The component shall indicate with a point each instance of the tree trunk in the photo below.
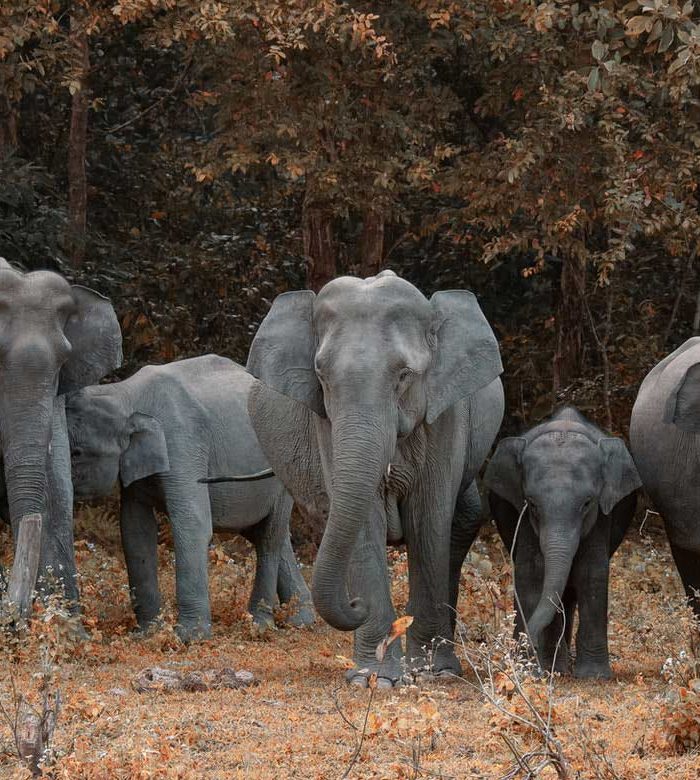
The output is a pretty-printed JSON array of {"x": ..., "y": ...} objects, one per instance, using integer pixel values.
[
  {"x": 8, "y": 126},
  {"x": 571, "y": 315},
  {"x": 372, "y": 243},
  {"x": 77, "y": 146},
  {"x": 319, "y": 247}
]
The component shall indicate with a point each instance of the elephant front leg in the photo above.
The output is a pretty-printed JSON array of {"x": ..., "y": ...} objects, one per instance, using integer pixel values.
[
  {"x": 369, "y": 579},
  {"x": 139, "y": 532},
  {"x": 590, "y": 580},
  {"x": 465, "y": 528},
  {"x": 57, "y": 569},
  {"x": 190, "y": 516},
  {"x": 429, "y": 646}
]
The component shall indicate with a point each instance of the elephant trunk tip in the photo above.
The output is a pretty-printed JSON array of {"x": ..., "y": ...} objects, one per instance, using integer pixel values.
[{"x": 343, "y": 617}]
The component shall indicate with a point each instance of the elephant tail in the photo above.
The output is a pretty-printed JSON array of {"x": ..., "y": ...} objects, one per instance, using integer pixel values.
[{"x": 264, "y": 474}]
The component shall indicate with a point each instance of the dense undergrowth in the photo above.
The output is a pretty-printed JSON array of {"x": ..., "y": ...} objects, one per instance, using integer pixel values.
[{"x": 301, "y": 721}]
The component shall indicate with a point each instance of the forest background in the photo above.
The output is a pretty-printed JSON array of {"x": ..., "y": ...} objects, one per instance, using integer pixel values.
[{"x": 193, "y": 158}]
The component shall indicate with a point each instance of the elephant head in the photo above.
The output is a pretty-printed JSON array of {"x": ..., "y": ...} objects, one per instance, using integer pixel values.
[
  {"x": 54, "y": 337},
  {"x": 376, "y": 359},
  {"x": 110, "y": 441},
  {"x": 566, "y": 473}
]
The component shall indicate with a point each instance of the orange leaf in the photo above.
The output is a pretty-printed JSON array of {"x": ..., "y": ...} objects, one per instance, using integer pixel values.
[{"x": 398, "y": 628}]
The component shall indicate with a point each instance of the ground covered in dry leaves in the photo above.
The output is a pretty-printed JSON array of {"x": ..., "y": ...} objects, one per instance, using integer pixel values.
[{"x": 301, "y": 721}]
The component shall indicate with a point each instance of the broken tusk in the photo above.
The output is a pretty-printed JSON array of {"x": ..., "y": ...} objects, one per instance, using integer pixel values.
[{"x": 388, "y": 471}]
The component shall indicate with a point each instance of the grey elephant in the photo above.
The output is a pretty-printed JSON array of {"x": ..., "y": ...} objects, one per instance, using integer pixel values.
[
  {"x": 158, "y": 433},
  {"x": 666, "y": 448},
  {"x": 386, "y": 403},
  {"x": 580, "y": 486},
  {"x": 54, "y": 338}
]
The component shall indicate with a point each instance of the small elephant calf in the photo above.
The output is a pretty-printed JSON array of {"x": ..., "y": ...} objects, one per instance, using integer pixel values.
[
  {"x": 158, "y": 433},
  {"x": 580, "y": 489}
]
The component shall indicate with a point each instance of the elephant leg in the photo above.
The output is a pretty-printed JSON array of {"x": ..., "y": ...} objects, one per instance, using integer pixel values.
[
  {"x": 57, "y": 569},
  {"x": 190, "y": 516},
  {"x": 556, "y": 638},
  {"x": 429, "y": 644},
  {"x": 267, "y": 539},
  {"x": 589, "y": 576},
  {"x": 465, "y": 528},
  {"x": 688, "y": 564},
  {"x": 290, "y": 584},
  {"x": 369, "y": 579},
  {"x": 139, "y": 532}
]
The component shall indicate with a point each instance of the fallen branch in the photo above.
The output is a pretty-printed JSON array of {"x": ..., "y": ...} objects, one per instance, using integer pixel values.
[{"x": 163, "y": 680}]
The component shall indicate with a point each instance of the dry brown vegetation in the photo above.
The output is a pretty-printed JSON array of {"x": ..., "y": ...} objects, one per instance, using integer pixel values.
[{"x": 301, "y": 721}]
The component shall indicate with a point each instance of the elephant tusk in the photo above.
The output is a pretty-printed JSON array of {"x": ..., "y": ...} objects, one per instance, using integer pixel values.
[{"x": 265, "y": 474}]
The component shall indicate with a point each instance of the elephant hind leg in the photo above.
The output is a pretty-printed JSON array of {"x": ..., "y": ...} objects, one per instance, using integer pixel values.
[
  {"x": 688, "y": 564},
  {"x": 290, "y": 584}
]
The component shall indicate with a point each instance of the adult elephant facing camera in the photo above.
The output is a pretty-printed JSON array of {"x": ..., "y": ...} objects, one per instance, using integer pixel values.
[
  {"x": 54, "y": 338},
  {"x": 389, "y": 402}
]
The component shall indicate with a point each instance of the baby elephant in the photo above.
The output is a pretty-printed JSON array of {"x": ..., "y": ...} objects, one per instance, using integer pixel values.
[
  {"x": 158, "y": 433},
  {"x": 580, "y": 487}
]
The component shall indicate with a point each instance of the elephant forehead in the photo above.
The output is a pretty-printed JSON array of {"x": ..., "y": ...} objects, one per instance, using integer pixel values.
[
  {"x": 378, "y": 297},
  {"x": 39, "y": 286},
  {"x": 561, "y": 452}
]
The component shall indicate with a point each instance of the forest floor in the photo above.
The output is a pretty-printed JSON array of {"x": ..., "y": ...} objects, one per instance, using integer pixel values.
[{"x": 302, "y": 721}]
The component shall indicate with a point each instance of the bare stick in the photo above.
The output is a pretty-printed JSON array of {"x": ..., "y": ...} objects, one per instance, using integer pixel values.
[{"x": 26, "y": 564}]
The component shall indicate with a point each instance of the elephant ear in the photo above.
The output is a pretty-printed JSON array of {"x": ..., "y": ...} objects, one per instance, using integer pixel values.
[
  {"x": 467, "y": 357},
  {"x": 504, "y": 474},
  {"x": 147, "y": 452},
  {"x": 96, "y": 340},
  {"x": 683, "y": 406},
  {"x": 283, "y": 350},
  {"x": 620, "y": 476}
]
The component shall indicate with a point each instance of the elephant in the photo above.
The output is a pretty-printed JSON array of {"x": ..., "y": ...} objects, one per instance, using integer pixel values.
[
  {"x": 577, "y": 490},
  {"x": 157, "y": 433},
  {"x": 54, "y": 338},
  {"x": 666, "y": 448},
  {"x": 385, "y": 404}
]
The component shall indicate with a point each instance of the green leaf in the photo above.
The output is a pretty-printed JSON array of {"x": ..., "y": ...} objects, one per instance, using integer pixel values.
[
  {"x": 666, "y": 38},
  {"x": 599, "y": 50},
  {"x": 594, "y": 79},
  {"x": 656, "y": 31}
]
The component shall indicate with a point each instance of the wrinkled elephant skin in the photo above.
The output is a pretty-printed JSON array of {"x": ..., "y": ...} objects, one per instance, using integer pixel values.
[
  {"x": 665, "y": 443},
  {"x": 54, "y": 338},
  {"x": 579, "y": 486},
  {"x": 158, "y": 433},
  {"x": 385, "y": 404}
]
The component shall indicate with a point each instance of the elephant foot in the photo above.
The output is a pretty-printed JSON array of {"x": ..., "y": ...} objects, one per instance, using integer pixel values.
[
  {"x": 592, "y": 670},
  {"x": 561, "y": 664},
  {"x": 388, "y": 671},
  {"x": 193, "y": 632},
  {"x": 303, "y": 617},
  {"x": 436, "y": 660},
  {"x": 147, "y": 626},
  {"x": 263, "y": 619}
]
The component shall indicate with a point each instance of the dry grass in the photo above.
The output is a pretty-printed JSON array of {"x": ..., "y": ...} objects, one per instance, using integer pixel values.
[{"x": 290, "y": 726}]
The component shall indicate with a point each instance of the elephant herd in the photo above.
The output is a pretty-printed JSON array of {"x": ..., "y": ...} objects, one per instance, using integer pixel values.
[{"x": 368, "y": 402}]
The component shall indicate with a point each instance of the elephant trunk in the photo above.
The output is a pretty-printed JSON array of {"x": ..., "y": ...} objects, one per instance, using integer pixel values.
[
  {"x": 26, "y": 415},
  {"x": 363, "y": 443},
  {"x": 558, "y": 556}
]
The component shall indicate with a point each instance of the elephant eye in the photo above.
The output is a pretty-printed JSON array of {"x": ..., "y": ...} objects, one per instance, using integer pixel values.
[{"x": 405, "y": 376}]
